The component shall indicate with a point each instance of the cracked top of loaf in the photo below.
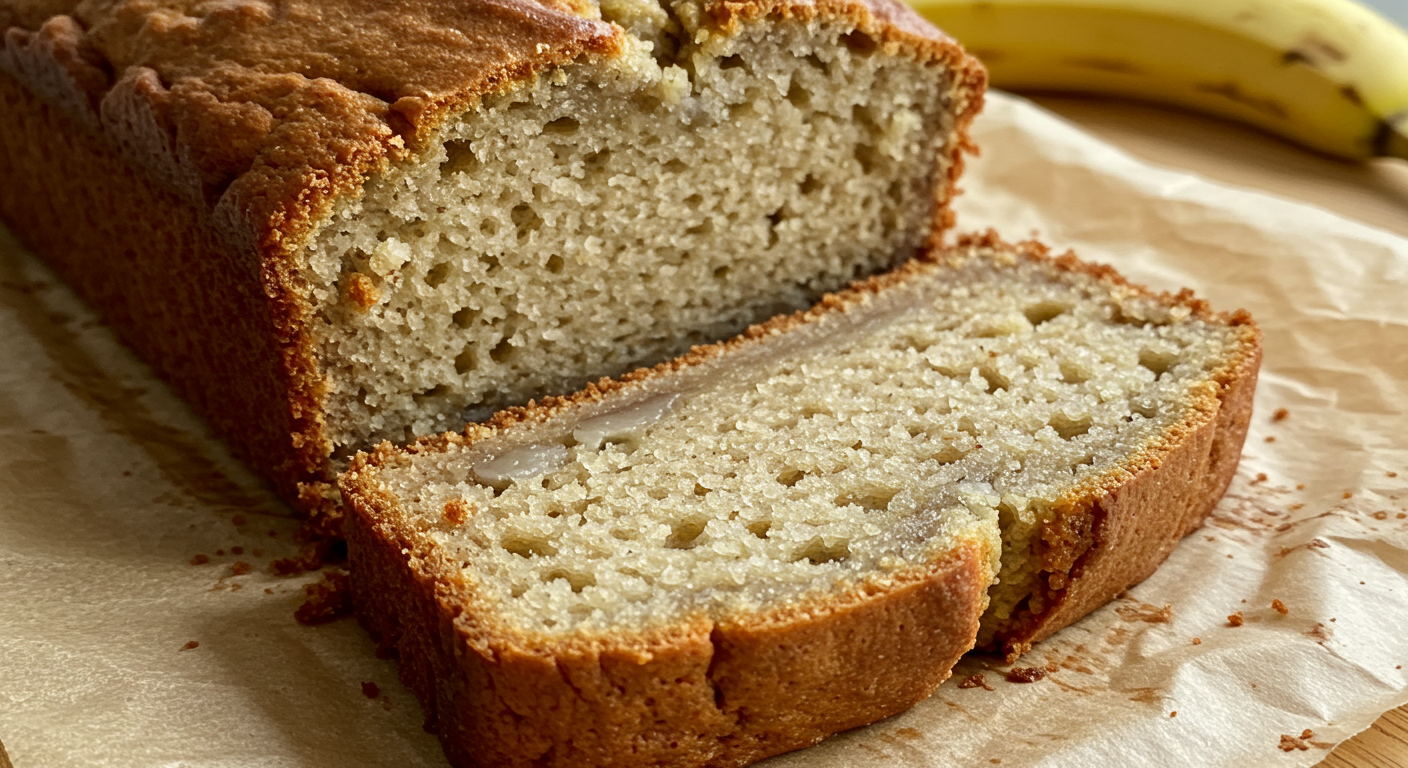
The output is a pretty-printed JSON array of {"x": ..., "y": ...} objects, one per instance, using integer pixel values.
[{"x": 267, "y": 111}]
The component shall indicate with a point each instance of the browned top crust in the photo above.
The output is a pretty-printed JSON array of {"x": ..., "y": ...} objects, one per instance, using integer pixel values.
[{"x": 271, "y": 109}]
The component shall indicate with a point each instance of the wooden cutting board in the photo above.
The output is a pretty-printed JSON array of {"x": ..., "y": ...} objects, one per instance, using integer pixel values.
[{"x": 1375, "y": 193}]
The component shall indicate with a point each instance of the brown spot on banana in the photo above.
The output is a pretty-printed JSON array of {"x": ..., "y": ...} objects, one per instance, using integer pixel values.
[
  {"x": 1232, "y": 92},
  {"x": 1314, "y": 52}
]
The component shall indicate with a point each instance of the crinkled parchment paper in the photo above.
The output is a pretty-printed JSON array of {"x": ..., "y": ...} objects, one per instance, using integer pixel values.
[{"x": 119, "y": 648}]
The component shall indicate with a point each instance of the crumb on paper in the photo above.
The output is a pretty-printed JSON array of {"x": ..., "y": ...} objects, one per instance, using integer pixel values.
[
  {"x": 1235, "y": 620},
  {"x": 1280, "y": 414},
  {"x": 1381, "y": 515},
  {"x": 1025, "y": 674},
  {"x": 240, "y": 568},
  {"x": 268, "y": 591},
  {"x": 190, "y": 645},
  {"x": 328, "y": 599},
  {"x": 1270, "y": 438},
  {"x": 1174, "y": 713},
  {"x": 1197, "y": 641},
  {"x": 976, "y": 680},
  {"x": 200, "y": 559},
  {"x": 371, "y": 690},
  {"x": 219, "y": 553},
  {"x": 1260, "y": 478},
  {"x": 1279, "y": 607},
  {"x": 1291, "y": 743},
  {"x": 1391, "y": 473},
  {"x": 1300, "y": 486}
]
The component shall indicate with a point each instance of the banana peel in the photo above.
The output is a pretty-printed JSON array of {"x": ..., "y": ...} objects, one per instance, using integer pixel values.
[{"x": 1331, "y": 75}]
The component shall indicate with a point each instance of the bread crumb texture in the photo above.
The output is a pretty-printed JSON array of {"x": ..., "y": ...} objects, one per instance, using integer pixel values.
[{"x": 966, "y": 402}]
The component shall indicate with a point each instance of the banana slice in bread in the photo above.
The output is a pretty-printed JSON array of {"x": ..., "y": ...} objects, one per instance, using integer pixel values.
[{"x": 799, "y": 531}]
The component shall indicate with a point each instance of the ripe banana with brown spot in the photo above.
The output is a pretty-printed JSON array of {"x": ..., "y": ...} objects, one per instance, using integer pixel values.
[{"x": 1329, "y": 74}]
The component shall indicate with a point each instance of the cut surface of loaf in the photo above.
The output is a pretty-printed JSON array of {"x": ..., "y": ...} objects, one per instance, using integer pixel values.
[
  {"x": 333, "y": 223},
  {"x": 835, "y": 489}
]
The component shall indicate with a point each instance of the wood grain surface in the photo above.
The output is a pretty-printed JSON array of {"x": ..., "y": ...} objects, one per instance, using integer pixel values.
[{"x": 1375, "y": 193}]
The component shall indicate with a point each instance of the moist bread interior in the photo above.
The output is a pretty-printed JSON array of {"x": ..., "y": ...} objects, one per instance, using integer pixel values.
[
  {"x": 616, "y": 212},
  {"x": 964, "y": 403}
]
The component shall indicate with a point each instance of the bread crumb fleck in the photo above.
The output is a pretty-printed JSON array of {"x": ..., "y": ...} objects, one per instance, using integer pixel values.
[
  {"x": 1280, "y": 414},
  {"x": 1174, "y": 713},
  {"x": 190, "y": 645},
  {"x": 362, "y": 292},
  {"x": 1347, "y": 495},
  {"x": 240, "y": 568},
  {"x": 1279, "y": 607},
  {"x": 1197, "y": 641},
  {"x": 1291, "y": 743},
  {"x": 219, "y": 553},
  {"x": 976, "y": 680},
  {"x": 268, "y": 591},
  {"x": 1391, "y": 473},
  {"x": 1260, "y": 478},
  {"x": 371, "y": 690},
  {"x": 1402, "y": 515},
  {"x": 1235, "y": 620},
  {"x": 1270, "y": 438},
  {"x": 200, "y": 559},
  {"x": 1025, "y": 674},
  {"x": 456, "y": 512},
  {"x": 1381, "y": 515},
  {"x": 1300, "y": 486}
]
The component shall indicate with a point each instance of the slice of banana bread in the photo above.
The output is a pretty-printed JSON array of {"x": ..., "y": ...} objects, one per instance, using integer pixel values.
[
  {"x": 332, "y": 223},
  {"x": 769, "y": 540}
]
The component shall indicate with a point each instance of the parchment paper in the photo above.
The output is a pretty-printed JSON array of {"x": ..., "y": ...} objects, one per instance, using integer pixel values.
[{"x": 110, "y": 489}]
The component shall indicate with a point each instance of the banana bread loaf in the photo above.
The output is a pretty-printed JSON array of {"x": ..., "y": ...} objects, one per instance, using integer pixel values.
[
  {"x": 333, "y": 223},
  {"x": 769, "y": 540}
]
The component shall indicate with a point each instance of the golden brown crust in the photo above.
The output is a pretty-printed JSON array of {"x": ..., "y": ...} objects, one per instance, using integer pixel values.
[
  {"x": 690, "y": 693},
  {"x": 250, "y": 119}
]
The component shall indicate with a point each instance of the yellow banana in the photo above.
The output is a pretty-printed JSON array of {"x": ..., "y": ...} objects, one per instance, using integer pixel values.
[{"x": 1329, "y": 74}]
